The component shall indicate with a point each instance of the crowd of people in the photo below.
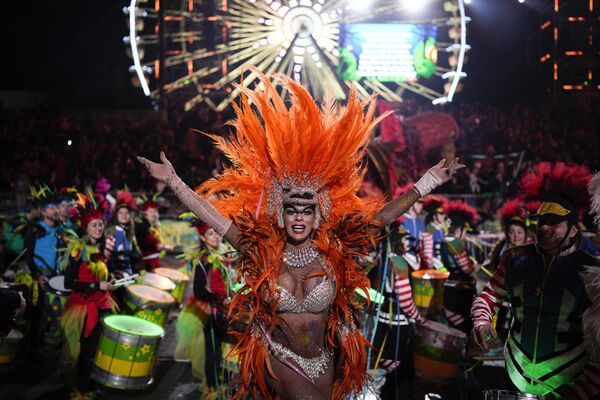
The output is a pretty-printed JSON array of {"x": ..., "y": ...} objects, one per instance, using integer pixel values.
[{"x": 42, "y": 144}]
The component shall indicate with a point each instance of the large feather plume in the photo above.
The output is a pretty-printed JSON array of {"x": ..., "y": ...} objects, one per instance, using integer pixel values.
[
  {"x": 551, "y": 180},
  {"x": 461, "y": 209},
  {"x": 511, "y": 209},
  {"x": 271, "y": 139}
]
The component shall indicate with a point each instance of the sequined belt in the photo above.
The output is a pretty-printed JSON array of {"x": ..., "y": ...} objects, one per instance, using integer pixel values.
[{"x": 313, "y": 367}]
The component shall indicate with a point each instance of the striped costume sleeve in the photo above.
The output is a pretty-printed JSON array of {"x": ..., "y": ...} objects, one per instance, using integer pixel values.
[
  {"x": 426, "y": 250},
  {"x": 490, "y": 299},
  {"x": 465, "y": 263},
  {"x": 404, "y": 293},
  {"x": 586, "y": 386}
]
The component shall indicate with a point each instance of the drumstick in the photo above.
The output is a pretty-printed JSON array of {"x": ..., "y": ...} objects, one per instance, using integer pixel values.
[
  {"x": 16, "y": 259},
  {"x": 125, "y": 279},
  {"x": 487, "y": 271},
  {"x": 123, "y": 283}
]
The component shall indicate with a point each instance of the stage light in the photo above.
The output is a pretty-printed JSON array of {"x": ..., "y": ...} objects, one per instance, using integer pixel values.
[
  {"x": 521, "y": 1},
  {"x": 467, "y": 1},
  {"x": 359, "y": 4},
  {"x": 413, "y": 5},
  {"x": 69, "y": 142}
]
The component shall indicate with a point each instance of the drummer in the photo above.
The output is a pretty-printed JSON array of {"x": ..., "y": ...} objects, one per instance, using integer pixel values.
[
  {"x": 148, "y": 237},
  {"x": 209, "y": 305},
  {"x": 459, "y": 290},
  {"x": 41, "y": 242},
  {"x": 411, "y": 220},
  {"x": 546, "y": 352},
  {"x": 86, "y": 275},
  {"x": 124, "y": 256},
  {"x": 397, "y": 313},
  {"x": 434, "y": 232}
]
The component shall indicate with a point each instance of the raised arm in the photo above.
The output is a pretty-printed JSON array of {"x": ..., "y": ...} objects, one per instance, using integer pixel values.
[
  {"x": 165, "y": 172},
  {"x": 434, "y": 177}
]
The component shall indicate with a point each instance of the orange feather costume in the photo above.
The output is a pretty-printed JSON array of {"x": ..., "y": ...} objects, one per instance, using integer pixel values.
[{"x": 275, "y": 149}]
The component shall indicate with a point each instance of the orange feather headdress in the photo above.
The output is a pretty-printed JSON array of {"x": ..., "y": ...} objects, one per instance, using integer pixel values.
[
  {"x": 303, "y": 152},
  {"x": 296, "y": 153}
]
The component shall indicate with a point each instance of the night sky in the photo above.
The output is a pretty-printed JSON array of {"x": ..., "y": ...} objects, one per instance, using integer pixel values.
[{"x": 72, "y": 50}]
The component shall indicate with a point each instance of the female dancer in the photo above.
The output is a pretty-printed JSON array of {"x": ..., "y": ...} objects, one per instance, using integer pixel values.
[
  {"x": 86, "y": 274},
  {"x": 201, "y": 326},
  {"x": 289, "y": 205}
]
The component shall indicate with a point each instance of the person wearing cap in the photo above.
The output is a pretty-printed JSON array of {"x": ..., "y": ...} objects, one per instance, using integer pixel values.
[
  {"x": 411, "y": 220},
  {"x": 41, "y": 240},
  {"x": 435, "y": 231},
  {"x": 459, "y": 289},
  {"x": 545, "y": 352}
]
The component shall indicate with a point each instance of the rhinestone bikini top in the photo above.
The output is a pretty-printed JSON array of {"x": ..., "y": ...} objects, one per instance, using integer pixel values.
[{"x": 315, "y": 302}]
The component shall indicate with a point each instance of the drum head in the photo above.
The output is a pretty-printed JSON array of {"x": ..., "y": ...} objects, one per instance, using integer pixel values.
[
  {"x": 160, "y": 282},
  {"x": 151, "y": 294},
  {"x": 173, "y": 274},
  {"x": 57, "y": 283},
  {"x": 430, "y": 274},
  {"x": 441, "y": 328},
  {"x": 133, "y": 325}
]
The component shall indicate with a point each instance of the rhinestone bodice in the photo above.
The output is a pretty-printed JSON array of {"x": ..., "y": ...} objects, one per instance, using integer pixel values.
[{"x": 315, "y": 302}]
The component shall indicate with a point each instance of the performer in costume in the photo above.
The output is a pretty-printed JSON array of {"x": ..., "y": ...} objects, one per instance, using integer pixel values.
[
  {"x": 124, "y": 255},
  {"x": 545, "y": 352},
  {"x": 459, "y": 289},
  {"x": 41, "y": 241},
  {"x": 514, "y": 220},
  {"x": 299, "y": 225},
  {"x": 395, "y": 316},
  {"x": 201, "y": 326},
  {"x": 148, "y": 236},
  {"x": 434, "y": 232},
  {"x": 86, "y": 274}
]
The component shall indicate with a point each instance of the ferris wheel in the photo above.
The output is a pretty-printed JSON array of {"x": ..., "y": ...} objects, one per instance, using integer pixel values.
[{"x": 193, "y": 51}]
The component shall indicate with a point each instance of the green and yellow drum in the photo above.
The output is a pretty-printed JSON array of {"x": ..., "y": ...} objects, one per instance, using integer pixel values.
[
  {"x": 428, "y": 290},
  {"x": 179, "y": 279},
  {"x": 126, "y": 352},
  {"x": 149, "y": 303}
]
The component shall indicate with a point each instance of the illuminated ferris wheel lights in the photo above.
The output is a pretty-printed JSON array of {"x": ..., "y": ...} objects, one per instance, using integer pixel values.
[
  {"x": 413, "y": 5},
  {"x": 359, "y": 4}
]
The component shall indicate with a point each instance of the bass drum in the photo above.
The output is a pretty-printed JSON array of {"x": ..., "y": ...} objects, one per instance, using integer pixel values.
[
  {"x": 126, "y": 352},
  {"x": 437, "y": 349}
]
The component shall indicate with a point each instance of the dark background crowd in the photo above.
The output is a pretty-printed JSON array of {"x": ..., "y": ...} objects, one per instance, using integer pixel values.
[{"x": 46, "y": 145}]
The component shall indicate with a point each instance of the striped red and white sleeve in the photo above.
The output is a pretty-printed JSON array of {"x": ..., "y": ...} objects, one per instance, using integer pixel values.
[
  {"x": 490, "y": 299},
  {"x": 465, "y": 263},
  {"x": 426, "y": 247},
  {"x": 405, "y": 298},
  {"x": 586, "y": 386}
]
